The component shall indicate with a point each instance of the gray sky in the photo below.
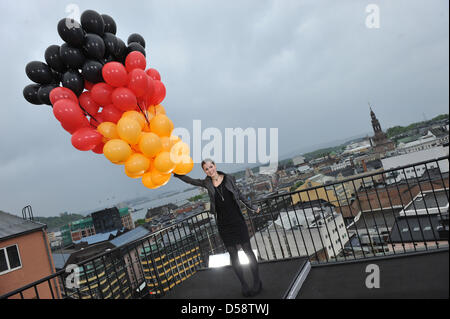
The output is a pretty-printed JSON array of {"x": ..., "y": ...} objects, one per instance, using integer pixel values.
[{"x": 307, "y": 68}]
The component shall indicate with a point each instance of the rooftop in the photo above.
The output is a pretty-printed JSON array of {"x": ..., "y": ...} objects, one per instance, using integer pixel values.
[
  {"x": 300, "y": 260},
  {"x": 12, "y": 226}
]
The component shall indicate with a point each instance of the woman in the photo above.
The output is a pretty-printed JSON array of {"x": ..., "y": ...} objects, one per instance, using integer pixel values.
[{"x": 224, "y": 196}]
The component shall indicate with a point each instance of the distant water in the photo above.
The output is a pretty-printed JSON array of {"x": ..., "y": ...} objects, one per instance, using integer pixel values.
[{"x": 174, "y": 199}]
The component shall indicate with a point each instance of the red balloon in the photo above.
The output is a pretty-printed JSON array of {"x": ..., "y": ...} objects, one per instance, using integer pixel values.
[
  {"x": 111, "y": 114},
  {"x": 148, "y": 98},
  {"x": 88, "y": 103},
  {"x": 138, "y": 81},
  {"x": 160, "y": 92},
  {"x": 88, "y": 85},
  {"x": 64, "y": 110},
  {"x": 154, "y": 74},
  {"x": 62, "y": 93},
  {"x": 124, "y": 99},
  {"x": 98, "y": 119},
  {"x": 135, "y": 60},
  {"x": 115, "y": 74},
  {"x": 86, "y": 139},
  {"x": 101, "y": 93},
  {"x": 69, "y": 129},
  {"x": 70, "y": 115},
  {"x": 99, "y": 148}
]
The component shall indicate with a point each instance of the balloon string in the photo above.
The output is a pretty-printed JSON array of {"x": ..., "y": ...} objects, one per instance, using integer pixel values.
[
  {"x": 86, "y": 112},
  {"x": 145, "y": 115}
]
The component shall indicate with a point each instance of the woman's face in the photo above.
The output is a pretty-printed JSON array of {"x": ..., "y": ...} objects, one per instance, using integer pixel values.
[{"x": 209, "y": 169}]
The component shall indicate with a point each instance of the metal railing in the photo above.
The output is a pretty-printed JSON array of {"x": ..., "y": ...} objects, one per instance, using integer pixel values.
[{"x": 385, "y": 213}]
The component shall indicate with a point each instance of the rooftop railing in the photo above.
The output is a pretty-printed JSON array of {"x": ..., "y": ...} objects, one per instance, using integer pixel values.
[{"x": 386, "y": 213}]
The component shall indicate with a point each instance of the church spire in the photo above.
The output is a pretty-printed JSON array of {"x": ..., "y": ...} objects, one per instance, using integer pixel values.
[{"x": 375, "y": 123}]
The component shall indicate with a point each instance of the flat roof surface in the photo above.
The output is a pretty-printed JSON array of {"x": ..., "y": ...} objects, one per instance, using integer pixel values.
[
  {"x": 405, "y": 277},
  {"x": 222, "y": 283},
  {"x": 430, "y": 200}
]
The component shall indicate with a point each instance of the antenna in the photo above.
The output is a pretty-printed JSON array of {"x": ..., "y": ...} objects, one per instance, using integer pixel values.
[{"x": 27, "y": 210}]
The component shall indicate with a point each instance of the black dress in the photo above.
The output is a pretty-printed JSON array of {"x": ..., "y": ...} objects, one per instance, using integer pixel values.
[{"x": 230, "y": 222}]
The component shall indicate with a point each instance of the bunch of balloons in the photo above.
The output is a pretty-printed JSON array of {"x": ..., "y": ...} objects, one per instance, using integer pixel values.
[{"x": 109, "y": 102}]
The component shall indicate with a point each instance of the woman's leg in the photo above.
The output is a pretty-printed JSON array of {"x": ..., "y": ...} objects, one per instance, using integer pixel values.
[
  {"x": 253, "y": 264},
  {"x": 234, "y": 259}
]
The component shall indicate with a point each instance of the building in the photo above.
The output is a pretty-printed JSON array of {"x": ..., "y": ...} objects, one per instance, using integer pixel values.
[
  {"x": 413, "y": 158},
  {"x": 160, "y": 210},
  {"x": 315, "y": 231},
  {"x": 422, "y": 143},
  {"x": 131, "y": 256},
  {"x": 106, "y": 220},
  {"x": 359, "y": 147},
  {"x": 25, "y": 256},
  {"x": 423, "y": 223},
  {"x": 324, "y": 193},
  {"x": 298, "y": 160},
  {"x": 103, "y": 221},
  {"x": 380, "y": 142}
]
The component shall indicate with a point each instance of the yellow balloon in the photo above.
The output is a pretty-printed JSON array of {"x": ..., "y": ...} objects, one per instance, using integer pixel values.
[
  {"x": 159, "y": 109},
  {"x": 163, "y": 163},
  {"x": 129, "y": 130},
  {"x": 159, "y": 178},
  {"x": 137, "y": 164},
  {"x": 174, "y": 140},
  {"x": 166, "y": 144},
  {"x": 117, "y": 151},
  {"x": 185, "y": 166},
  {"x": 160, "y": 125},
  {"x": 147, "y": 181},
  {"x": 133, "y": 175},
  {"x": 108, "y": 130},
  {"x": 178, "y": 151},
  {"x": 150, "y": 144},
  {"x": 135, "y": 116}
]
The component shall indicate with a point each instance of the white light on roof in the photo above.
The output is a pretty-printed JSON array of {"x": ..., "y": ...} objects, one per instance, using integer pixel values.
[{"x": 221, "y": 260}]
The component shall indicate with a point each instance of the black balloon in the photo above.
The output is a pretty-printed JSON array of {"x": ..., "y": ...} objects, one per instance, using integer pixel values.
[
  {"x": 92, "y": 22},
  {"x": 74, "y": 81},
  {"x": 30, "y": 93},
  {"x": 121, "y": 49},
  {"x": 110, "y": 41},
  {"x": 53, "y": 58},
  {"x": 39, "y": 72},
  {"x": 136, "y": 38},
  {"x": 72, "y": 57},
  {"x": 110, "y": 24},
  {"x": 108, "y": 58},
  {"x": 57, "y": 77},
  {"x": 134, "y": 46},
  {"x": 44, "y": 93},
  {"x": 94, "y": 46},
  {"x": 71, "y": 32},
  {"x": 92, "y": 71}
]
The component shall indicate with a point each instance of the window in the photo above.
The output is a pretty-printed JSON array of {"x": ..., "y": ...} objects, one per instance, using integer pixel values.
[{"x": 9, "y": 259}]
